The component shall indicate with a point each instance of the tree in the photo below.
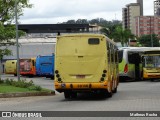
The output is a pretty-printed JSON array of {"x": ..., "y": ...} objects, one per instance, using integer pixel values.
[
  {"x": 7, "y": 30},
  {"x": 7, "y": 9},
  {"x": 109, "y": 29},
  {"x": 71, "y": 22},
  {"x": 81, "y": 21},
  {"x": 145, "y": 40},
  {"x": 122, "y": 35}
]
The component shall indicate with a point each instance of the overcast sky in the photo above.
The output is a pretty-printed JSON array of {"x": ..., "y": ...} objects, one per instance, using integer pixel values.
[{"x": 57, "y": 11}]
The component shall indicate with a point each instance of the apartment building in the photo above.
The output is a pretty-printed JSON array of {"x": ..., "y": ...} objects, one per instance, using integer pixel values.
[
  {"x": 129, "y": 13},
  {"x": 157, "y": 7},
  {"x": 146, "y": 25}
]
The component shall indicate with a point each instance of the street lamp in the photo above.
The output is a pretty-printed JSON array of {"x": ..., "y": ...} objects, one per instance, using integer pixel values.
[{"x": 17, "y": 48}]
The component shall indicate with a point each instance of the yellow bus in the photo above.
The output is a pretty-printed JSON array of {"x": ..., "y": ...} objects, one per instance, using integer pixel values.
[
  {"x": 86, "y": 63},
  {"x": 151, "y": 64},
  {"x": 11, "y": 67}
]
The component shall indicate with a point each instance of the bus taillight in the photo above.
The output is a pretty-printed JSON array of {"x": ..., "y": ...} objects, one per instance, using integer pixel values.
[{"x": 126, "y": 68}]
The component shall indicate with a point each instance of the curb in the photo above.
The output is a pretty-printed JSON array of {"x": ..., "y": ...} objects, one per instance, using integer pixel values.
[{"x": 26, "y": 94}]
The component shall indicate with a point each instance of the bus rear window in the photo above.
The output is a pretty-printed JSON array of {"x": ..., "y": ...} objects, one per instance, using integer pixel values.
[{"x": 93, "y": 41}]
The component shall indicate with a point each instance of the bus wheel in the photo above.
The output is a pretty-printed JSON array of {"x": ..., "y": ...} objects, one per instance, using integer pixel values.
[
  {"x": 74, "y": 95},
  {"x": 106, "y": 93},
  {"x": 109, "y": 94},
  {"x": 67, "y": 95},
  {"x": 115, "y": 90}
]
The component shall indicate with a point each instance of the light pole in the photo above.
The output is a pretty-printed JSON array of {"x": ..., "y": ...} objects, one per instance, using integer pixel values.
[{"x": 17, "y": 44}]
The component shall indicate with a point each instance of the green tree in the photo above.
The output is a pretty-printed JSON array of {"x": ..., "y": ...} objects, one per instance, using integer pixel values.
[
  {"x": 109, "y": 29},
  {"x": 7, "y": 9},
  {"x": 7, "y": 30},
  {"x": 145, "y": 40},
  {"x": 122, "y": 35}
]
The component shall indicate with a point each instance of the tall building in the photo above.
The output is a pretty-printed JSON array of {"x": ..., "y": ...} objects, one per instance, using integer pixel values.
[
  {"x": 146, "y": 25},
  {"x": 157, "y": 8},
  {"x": 140, "y": 2},
  {"x": 129, "y": 13}
]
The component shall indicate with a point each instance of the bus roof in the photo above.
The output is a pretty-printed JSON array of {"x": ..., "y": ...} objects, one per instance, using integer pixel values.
[{"x": 88, "y": 34}]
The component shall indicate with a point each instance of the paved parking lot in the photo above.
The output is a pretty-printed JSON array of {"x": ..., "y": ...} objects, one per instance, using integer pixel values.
[{"x": 131, "y": 96}]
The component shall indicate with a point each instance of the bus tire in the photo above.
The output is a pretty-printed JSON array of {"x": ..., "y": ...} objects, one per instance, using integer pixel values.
[
  {"x": 115, "y": 90},
  {"x": 109, "y": 94},
  {"x": 67, "y": 95},
  {"x": 106, "y": 93},
  {"x": 73, "y": 94},
  {"x": 15, "y": 74}
]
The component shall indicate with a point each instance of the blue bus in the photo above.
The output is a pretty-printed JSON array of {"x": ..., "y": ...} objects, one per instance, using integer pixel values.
[{"x": 45, "y": 66}]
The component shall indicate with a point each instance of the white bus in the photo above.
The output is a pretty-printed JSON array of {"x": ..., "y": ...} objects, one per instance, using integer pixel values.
[{"x": 130, "y": 62}]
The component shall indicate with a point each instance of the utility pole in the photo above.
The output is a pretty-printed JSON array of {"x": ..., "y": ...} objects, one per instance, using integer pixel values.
[{"x": 17, "y": 44}]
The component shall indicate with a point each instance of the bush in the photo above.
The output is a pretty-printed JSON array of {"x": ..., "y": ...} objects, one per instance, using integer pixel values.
[
  {"x": 8, "y": 81},
  {"x": 22, "y": 84},
  {"x": 1, "y": 81},
  {"x": 35, "y": 87}
]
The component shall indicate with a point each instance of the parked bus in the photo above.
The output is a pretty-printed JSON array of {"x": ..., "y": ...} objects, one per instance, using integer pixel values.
[
  {"x": 11, "y": 67},
  {"x": 86, "y": 62},
  {"x": 151, "y": 64},
  {"x": 45, "y": 66},
  {"x": 27, "y": 67},
  {"x": 130, "y": 64}
]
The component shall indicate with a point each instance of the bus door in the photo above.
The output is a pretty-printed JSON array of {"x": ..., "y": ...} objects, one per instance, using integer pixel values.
[{"x": 134, "y": 58}]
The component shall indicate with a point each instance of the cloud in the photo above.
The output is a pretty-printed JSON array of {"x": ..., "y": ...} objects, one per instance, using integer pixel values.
[{"x": 54, "y": 11}]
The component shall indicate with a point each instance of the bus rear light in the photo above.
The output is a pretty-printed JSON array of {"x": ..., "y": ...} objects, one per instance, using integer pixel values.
[
  {"x": 71, "y": 86},
  {"x": 102, "y": 79},
  {"x": 56, "y": 71},
  {"x": 103, "y": 75},
  {"x": 57, "y": 75},
  {"x": 126, "y": 68},
  {"x": 104, "y": 71},
  {"x": 59, "y": 80}
]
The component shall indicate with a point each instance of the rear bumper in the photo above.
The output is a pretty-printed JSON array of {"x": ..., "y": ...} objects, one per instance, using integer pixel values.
[
  {"x": 151, "y": 75},
  {"x": 62, "y": 87},
  {"x": 27, "y": 73}
]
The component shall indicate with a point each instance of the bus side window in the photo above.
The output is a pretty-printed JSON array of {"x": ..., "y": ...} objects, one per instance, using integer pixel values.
[
  {"x": 112, "y": 53},
  {"x": 116, "y": 56},
  {"x": 108, "y": 50}
]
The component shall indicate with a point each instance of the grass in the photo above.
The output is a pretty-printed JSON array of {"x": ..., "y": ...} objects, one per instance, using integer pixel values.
[
  {"x": 11, "y": 86},
  {"x": 12, "y": 89}
]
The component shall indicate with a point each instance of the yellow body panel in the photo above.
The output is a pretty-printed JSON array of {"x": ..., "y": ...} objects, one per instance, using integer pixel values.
[
  {"x": 151, "y": 73},
  {"x": 80, "y": 65},
  {"x": 10, "y": 67}
]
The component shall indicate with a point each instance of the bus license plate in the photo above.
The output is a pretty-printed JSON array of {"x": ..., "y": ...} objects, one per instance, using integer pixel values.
[
  {"x": 80, "y": 76},
  {"x": 83, "y": 86}
]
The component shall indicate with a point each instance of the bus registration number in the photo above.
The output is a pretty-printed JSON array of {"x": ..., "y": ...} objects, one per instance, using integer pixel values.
[{"x": 83, "y": 86}]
